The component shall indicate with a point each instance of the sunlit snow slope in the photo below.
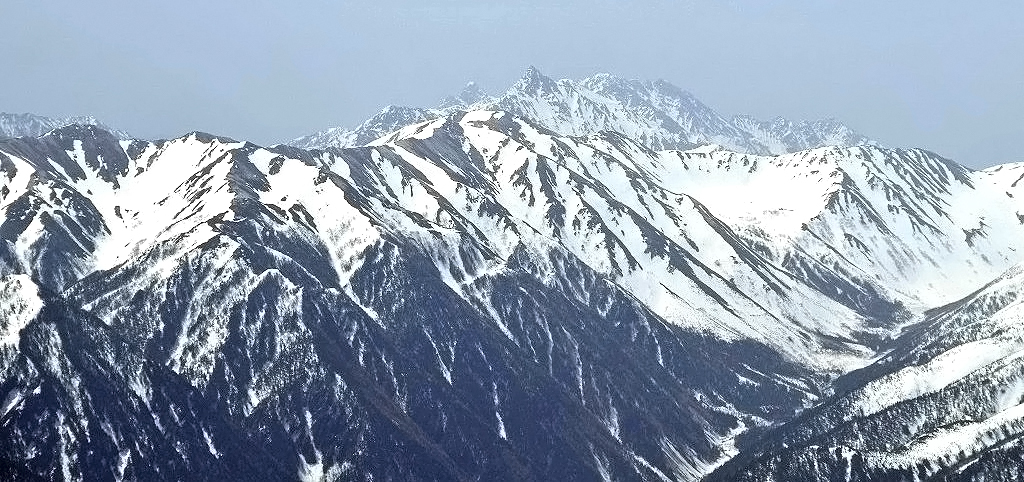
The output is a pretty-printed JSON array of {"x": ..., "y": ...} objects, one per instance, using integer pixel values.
[{"x": 901, "y": 221}]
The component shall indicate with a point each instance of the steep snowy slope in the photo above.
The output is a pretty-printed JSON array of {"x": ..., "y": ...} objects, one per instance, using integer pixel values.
[
  {"x": 81, "y": 404},
  {"x": 657, "y": 114},
  {"x": 50, "y": 223},
  {"x": 947, "y": 404},
  {"x": 905, "y": 223},
  {"x": 471, "y": 297},
  {"x": 594, "y": 197}
]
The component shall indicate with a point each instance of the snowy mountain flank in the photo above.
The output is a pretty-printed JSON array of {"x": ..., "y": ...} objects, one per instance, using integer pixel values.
[
  {"x": 657, "y": 114},
  {"x": 946, "y": 404},
  {"x": 592, "y": 280}
]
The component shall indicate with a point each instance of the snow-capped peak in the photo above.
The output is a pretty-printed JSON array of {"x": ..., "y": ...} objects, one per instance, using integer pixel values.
[
  {"x": 533, "y": 82},
  {"x": 470, "y": 95},
  {"x": 658, "y": 114},
  {"x": 31, "y": 125}
]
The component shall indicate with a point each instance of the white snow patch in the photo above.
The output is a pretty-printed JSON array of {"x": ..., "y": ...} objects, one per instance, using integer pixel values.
[
  {"x": 946, "y": 368},
  {"x": 21, "y": 303}
]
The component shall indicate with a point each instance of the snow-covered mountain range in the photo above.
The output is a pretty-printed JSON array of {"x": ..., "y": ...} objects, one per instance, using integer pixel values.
[
  {"x": 512, "y": 288},
  {"x": 31, "y": 125},
  {"x": 657, "y": 114}
]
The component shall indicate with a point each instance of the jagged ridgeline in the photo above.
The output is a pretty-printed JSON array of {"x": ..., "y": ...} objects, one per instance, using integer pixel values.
[
  {"x": 656, "y": 114},
  {"x": 30, "y": 125},
  {"x": 483, "y": 294}
]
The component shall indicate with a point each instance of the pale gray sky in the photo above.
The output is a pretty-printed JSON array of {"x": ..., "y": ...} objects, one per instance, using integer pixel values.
[{"x": 941, "y": 74}]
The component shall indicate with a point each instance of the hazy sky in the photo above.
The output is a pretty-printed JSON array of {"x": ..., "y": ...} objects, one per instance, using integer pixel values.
[{"x": 945, "y": 75}]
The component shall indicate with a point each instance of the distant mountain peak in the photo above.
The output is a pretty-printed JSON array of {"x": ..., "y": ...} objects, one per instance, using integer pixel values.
[
  {"x": 657, "y": 114},
  {"x": 470, "y": 95},
  {"x": 31, "y": 125},
  {"x": 533, "y": 81}
]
